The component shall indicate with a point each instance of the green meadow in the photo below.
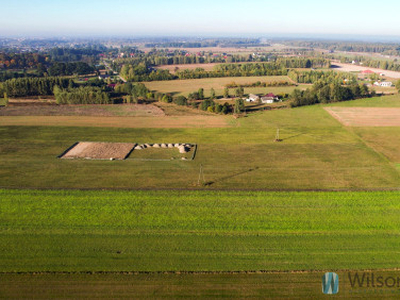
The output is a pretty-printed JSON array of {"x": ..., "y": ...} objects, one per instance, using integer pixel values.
[
  {"x": 70, "y": 231},
  {"x": 317, "y": 152}
]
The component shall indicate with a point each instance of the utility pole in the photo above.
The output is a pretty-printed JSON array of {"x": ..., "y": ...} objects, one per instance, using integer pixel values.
[
  {"x": 201, "y": 175},
  {"x": 277, "y": 136}
]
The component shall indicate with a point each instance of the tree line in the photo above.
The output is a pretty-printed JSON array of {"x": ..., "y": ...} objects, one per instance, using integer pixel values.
[
  {"x": 21, "y": 60},
  {"x": 80, "y": 95},
  {"x": 325, "y": 91},
  {"x": 142, "y": 72},
  {"x": 384, "y": 48},
  {"x": 63, "y": 69},
  {"x": 21, "y": 87},
  {"x": 314, "y": 76},
  {"x": 392, "y": 65},
  {"x": 259, "y": 84}
]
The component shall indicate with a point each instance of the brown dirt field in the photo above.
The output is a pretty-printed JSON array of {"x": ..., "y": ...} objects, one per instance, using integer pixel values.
[
  {"x": 199, "y": 121},
  {"x": 366, "y": 116},
  {"x": 140, "y": 110},
  {"x": 171, "y": 68},
  {"x": 353, "y": 68},
  {"x": 92, "y": 150}
]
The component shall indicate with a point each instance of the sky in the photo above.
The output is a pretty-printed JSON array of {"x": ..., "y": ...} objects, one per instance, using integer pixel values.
[{"x": 198, "y": 18}]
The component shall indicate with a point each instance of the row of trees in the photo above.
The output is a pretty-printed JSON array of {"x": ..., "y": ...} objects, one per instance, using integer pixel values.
[
  {"x": 141, "y": 72},
  {"x": 391, "y": 65},
  {"x": 314, "y": 76},
  {"x": 259, "y": 84},
  {"x": 21, "y": 60},
  {"x": 21, "y": 87},
  {"x": 144, "y": 72},
  {"x": 63, "y": 69},
  {"x": 81, "y": 95},
  {"x": 384, "y": 48},
  {"x": 325, "y": 92},
  {"x": 85, "y": 54}
]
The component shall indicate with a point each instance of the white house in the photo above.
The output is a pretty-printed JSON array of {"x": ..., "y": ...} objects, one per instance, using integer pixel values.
[
  {"x": 386, "y": 84},
  {"x": 252, "y": 98},
  {"x": 270, "y": 98},
  {"x": 383, "y": 83}
]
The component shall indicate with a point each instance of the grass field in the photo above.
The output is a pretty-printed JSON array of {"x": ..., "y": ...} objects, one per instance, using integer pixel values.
[
  {"x": 184, "y": 87},
  {"x": 317, "y": 153},
  {"x": 305, "y": 285},
  {"x": 74, "y": 235},
  {"x": 386, "y": 101},
  {"x": 189, "y": 231},
  {"x": 210, "y": 229}
]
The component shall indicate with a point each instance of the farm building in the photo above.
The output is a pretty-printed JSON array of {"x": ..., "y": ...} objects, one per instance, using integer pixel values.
[
  {"x": 269, "y": 98},
  {"x": 386, "y": 84},
  {"x": 383, "y": 83},
  {"x": 252, "y": 98}
]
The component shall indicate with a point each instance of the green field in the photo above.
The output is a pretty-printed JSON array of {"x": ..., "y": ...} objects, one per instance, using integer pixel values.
[
  {"x": 386, "y": 101},
  {"x": 300, "y": 285},
  {"x": 77, "y": 243},
  {"x": 190, "y": 230},
  {"x": 317, "y": 152},
  {"x": 184, "y": 87},
  {"x": 157, "y": 222}
]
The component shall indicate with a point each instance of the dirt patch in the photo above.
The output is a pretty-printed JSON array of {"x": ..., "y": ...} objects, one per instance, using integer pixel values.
[
  {"x": 93, "y": 150},
  {"x": 354, "y": 68},
  {"x": 366, "y": 116},
  {"x": 29, "y": 108},
  {"x": 172, "y": 68}
]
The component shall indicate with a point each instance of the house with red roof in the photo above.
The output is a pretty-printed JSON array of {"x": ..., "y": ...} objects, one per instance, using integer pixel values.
[
  {"x": 269, "y": 98},
  {"x": 367, "y": 72}
]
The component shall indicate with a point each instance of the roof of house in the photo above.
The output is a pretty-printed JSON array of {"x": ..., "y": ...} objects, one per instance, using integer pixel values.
[
  {"x": 270, "y": 95},
  {"x": 367, "y": 72}
]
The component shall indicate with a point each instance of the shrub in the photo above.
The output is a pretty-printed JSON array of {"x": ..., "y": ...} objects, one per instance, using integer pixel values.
[{"x": 180, "y": 100}]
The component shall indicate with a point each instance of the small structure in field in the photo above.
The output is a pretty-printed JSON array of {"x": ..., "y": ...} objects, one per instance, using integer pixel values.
[
  {"x": 383, "y": 83},
  {"x": 121, "y": 151},
  {"x": 252, "y": 98},
  {"x": 269, "y": 98}
]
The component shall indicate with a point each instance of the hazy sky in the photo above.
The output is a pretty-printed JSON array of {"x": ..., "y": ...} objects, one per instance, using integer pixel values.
[{"x": 203, "y": 17}]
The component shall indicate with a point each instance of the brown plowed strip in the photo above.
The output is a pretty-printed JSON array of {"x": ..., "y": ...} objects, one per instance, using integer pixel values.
[
  {"x": 366, "y": 116},
  {"x": 200, "y": 121},
  {"x": 92, "y": 150}
]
